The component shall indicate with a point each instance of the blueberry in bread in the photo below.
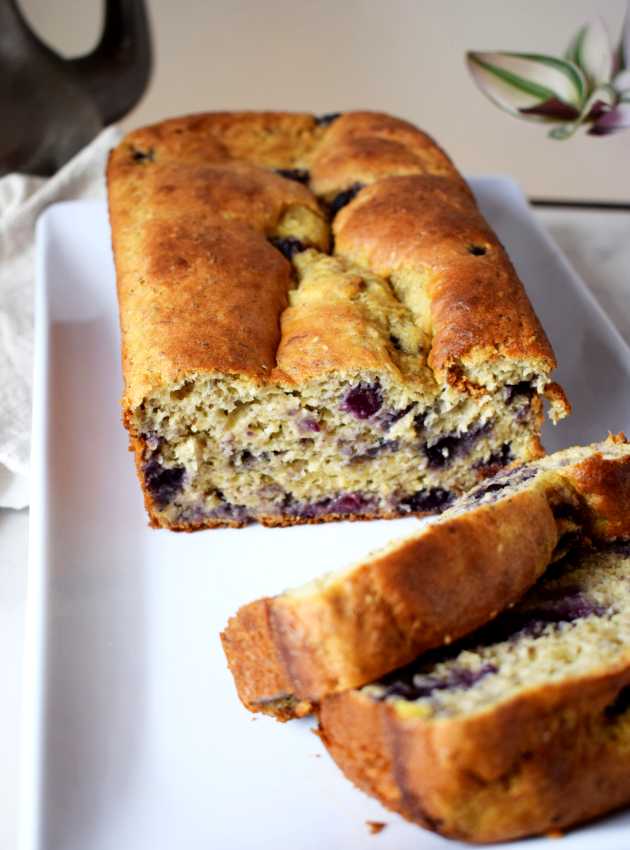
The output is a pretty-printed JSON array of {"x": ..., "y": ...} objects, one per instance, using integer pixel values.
[
  {"x": 317, "y": 323},
  {"x": 453, "y": 575},
  {"x": 520, "y": 729}
]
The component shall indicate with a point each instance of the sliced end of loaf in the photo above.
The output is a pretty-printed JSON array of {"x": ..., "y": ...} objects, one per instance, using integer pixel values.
[{"x": 523, "y": 728}]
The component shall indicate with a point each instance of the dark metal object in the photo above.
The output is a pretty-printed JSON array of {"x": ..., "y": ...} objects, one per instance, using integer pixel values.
[
  {"x": 612, "y": 206},
  {"x": 50, "y": 107}
]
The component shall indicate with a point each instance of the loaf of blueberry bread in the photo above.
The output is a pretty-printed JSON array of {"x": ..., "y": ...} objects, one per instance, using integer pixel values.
[
  {"x": 521, "y": 729},
  {"x": 316, "y": 320},
  {"x": 454, "y": 574}
]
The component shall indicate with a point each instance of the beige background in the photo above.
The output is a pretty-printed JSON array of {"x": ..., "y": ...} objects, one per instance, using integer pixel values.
[{"x": 404, "y": 56}]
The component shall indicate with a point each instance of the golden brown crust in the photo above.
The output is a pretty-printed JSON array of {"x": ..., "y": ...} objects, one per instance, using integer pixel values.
[
  {"x": 604, "y": 484},
  {"x": 353, "y": 729},
  {"x": 198, "y": 292},
  {"x": 267, "y": 139},
  {"x": 547, "y": 759},
  {"x": 362, "y": 147},
  {"x": 422, "y": 593},
  {"x": 207, "y": 170},
  {"x": 431, "y": 227},
  {"x": 559, "y": 405},
  {"x": 262, "y": 655}
]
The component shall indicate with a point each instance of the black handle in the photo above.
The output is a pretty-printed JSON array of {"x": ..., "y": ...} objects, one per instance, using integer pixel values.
[{"x": 51, "y": 107}]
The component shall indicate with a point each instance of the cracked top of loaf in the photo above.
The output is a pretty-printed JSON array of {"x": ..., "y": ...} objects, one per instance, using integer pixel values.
[{"x": 276, "y": 247}]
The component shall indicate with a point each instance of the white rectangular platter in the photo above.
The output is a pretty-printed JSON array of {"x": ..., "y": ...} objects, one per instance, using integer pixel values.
[{"x": 133, "y": 736}]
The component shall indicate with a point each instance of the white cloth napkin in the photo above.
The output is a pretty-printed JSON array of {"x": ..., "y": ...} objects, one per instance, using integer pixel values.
[{"x": 22, "y": 199}]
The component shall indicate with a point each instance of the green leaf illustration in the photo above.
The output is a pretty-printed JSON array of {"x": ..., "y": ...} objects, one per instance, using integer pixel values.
[
  {"x": 601, "y": 100},
  {"x": 623, "y": 51},
  {"x": 530, "y": 85},
  {"x": 591, "y": 51},
  {"x": 590, "y": 85}
]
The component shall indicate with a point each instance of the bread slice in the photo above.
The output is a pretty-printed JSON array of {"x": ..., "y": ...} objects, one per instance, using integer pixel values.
[
  {"x": 520, "y": 729},
  {"x": 456, "y": 572},
  {"x": 317, "y": 323}
]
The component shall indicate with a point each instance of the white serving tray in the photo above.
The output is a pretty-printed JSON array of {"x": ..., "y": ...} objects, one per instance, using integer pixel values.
[{"x": 133, "y": 736}]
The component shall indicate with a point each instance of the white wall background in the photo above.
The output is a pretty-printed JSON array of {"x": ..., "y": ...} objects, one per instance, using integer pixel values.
[{"x": 402, "y": 56}]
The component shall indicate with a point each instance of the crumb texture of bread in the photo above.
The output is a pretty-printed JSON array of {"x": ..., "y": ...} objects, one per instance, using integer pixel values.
[
  {"x": 454, "y": 574},
  {"x": 521, "y": 728},
  {"x": 317, "y": 322}
]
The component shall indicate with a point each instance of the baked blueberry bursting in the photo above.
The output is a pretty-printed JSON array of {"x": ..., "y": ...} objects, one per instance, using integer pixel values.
[
  {"x": 477, "y": 250},
  {"x": 562, "y": 605},
  {"x": 300, "y": 175},
  {"x": 513, "y": 477},
  {"x": 343, "y": 198},
  {"x": 163, "y": 483},
  {"x": 495, "y": 487},
  {"x": 621, "y": 547},
  {"x": 414, "y": 686},
  {"x": 418, "y": 423},
  {"x": 620, "y": 705},
  {"x": 520, "y": 474},
  {"x": 433, "y": 499},
  {"x": 363, "y": 401},
  {"x": 143, "y": 156},
  {"x": 289, "y": 246},
  {"x": 570, "y": 606},
  {"x": 500, "y": 458},
  {"x": 227, "y": 511},
  {"x": 308, "y": 424},
  {"x": 442, "y": 452},
  {"x": 390, "y": 417},
  {"x": 327, "y": 119},
  {"x": 152, "y": 440},
  {"x": 568, "y": 541},
  {"x": 373, "y": 451},
  {"x": 523, "y": 389},
  {"x": 566, "y": 511},
  {"x": 346, "y": 503},
  {"x": 239, "y": 513},
  {"x": 492, "y": 488},
  {"x": 246, "y": 458}
]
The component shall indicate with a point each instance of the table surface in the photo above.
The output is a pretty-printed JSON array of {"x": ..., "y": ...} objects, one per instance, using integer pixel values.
[{"x": 597, "y": 243}]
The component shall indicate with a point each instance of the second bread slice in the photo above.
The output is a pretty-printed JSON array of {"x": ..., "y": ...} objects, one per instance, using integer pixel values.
[{"x": 453, "y": 575}]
